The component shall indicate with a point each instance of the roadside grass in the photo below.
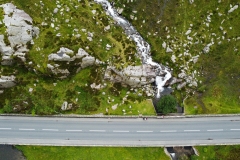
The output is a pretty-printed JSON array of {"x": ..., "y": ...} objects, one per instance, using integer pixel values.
[
  {"x": 230, "y": 152},
  {"x": 93, "y": 153}
]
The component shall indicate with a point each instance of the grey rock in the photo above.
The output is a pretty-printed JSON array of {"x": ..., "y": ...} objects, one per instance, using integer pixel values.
[
  {"x": 182, "y": 75},
  {"x": 134, "y": 76},
  {"x": 180, "y": 86},
  {"x": 87, "y": 61},
  {"x": 64, "y": 106},
  {"x": 81, "y": 53},
  {"x": 174, "y": 81},
  {"x": 7, "y": 81},
  {"x": 62, "y": 55}
]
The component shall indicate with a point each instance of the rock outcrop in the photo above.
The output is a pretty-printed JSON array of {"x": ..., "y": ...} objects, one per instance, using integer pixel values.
[
  {"x": 60, "y": 62},
  {"x": 20, "y": 33},
  {"x": 134, "y": 76}
]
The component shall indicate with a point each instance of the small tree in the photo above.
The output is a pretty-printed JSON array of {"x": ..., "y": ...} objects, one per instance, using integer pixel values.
[{"x": 166, "y": 104}]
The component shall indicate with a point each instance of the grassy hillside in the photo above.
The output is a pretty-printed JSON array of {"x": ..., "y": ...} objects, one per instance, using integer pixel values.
[
  {"x": 69, "y": 27},
  {"x": 209, "y": 22},
  {"x": 205, "y": 30}
]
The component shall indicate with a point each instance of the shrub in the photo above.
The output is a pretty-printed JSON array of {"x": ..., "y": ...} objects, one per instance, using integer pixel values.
[{"x": 166, "y": 104}]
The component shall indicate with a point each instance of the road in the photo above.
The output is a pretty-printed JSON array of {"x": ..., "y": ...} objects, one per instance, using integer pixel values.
[{"x": 119, "y": 132}]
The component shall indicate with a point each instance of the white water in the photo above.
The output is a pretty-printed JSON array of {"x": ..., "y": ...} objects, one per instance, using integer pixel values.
[{"x": 143, "y": 47}]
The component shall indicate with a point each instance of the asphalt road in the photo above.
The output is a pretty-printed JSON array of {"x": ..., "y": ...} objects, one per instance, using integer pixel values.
[{"x": 119, "y": 132}]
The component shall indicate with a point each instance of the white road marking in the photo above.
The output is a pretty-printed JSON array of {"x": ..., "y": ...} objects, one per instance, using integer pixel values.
[
  {"x": 145, "y": 131},
  {"x": 215, "y": 130},
  {"x": 74, "y": 130},
  {"x": 5, "y": 128},
  {"x": 50, "y": 129},
  {"x": 26, "y": 129},
  {"x": 97, "y": 130},
  {"x": 120, "y": 131},
  {"x": 191, "y": 130},
  {"x": 235, "y": 129},
  {"x": 169, "y": 131}
]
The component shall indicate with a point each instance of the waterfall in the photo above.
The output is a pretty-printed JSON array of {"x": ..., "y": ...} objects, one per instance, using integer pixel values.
[{"x": 143, "y": 48}]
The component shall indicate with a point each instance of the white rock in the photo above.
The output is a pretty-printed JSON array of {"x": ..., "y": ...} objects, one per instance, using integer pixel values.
[
  {"x": 94, "y": 11},
  {"x": 168, "y": 50},
  {"x": 55, "y": 10},
  {"x": 114, "y": 107},
  {"x": 81, "y": 53},
  {"x": 30, "y": 90},
  {"x": 87, "y": 61},
  {"x": 191, "y": 1},
  {"x": 233, "y": 8},
  {"x": 61, "y": 55},
  {"x": 188, "y": 32},
  {"x": 107, "y": 28},
  {"x": 164, "y": 45},
  {"x": 64, "y": 106},
  {"x": 173, "y": 58}
]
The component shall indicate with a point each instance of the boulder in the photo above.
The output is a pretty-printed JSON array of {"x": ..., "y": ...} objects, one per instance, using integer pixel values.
[
  {"x": 181, "y": 85},
  {"x": 7, "y": 81},
  {"x": 81, "y": 53},
  {"x": 168, "y": 50},
  {"x": 114, "y": 107},
  {"x": 134, "y": 76},
  {"x": 62, "y": 55},
  {"x": 233, "y": 8},
  {"x": 64, "y": 106},
  {"x": 87, "y": 61}
]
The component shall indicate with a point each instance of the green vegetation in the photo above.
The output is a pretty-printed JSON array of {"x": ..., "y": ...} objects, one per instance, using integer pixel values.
[
  {"x": 93, "y": 153},
  {"x": 217, "y": 71},
  {"x": 218, "y": 152},
  {"x": 167, "y": 104},
  {"x": 49, "y": 92},
  {"x": 158, "y": 21}
]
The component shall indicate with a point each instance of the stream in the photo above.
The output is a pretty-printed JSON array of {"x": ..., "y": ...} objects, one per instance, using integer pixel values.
[{"x": 143, "y": 48}]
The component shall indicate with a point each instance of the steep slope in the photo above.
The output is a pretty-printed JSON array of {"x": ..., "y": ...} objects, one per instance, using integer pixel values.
[{"x": 200, "y": 41}]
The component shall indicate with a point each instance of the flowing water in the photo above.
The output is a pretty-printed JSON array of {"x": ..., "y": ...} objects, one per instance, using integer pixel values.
[{"x": 143, "y": 48}]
